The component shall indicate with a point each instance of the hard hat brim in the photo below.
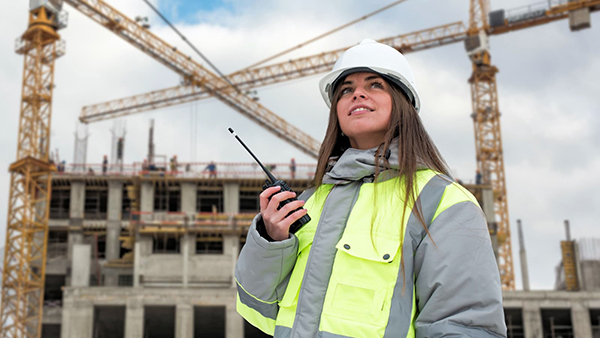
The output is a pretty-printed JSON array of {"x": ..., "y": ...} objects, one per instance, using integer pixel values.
[{"x": 329, "y": 83}]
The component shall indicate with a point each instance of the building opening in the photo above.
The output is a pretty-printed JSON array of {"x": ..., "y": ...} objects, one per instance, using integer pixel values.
[
  {"x": 249, "y": 201},
  {"x": 209, "y": 200},
  {"x": 159, "y": 322},
  {"x": 557, "y": 323},
  {"x": 125, "y": 204},
  {"x": 209, "y": 321},
  {"x": 166, "y": 243},
  {"x": 514, "y": 323},
  {"x": 125, "y": 280},
  {"x": 96, "y": 203},
  {"x": 53, "y": 294},
  {"x": 595, "y": 320},
  {"x": 109, "y": 322},
  {"x": 167, "y": 197},
  {"x": 207, "y": 243},
  {"x": 60, "y": 202},
  {"x": 50, "y": 330},
  {"x": 58, "y": 243},
  {"x": 98, "y": 244}
]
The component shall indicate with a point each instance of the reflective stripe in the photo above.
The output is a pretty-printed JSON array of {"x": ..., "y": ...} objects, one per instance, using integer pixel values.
[
  {"x": 318, "y": 269},
  {"x": 456, "y": 330},
  {"x": 268, "y": 310},
  {"x": 282, "y": 332},
  {"x": 306, "y": 194},
  {"x": 324, "y": 334},
  {"x": 285, "y": 332},
  {"x": 401, "y": 312}
]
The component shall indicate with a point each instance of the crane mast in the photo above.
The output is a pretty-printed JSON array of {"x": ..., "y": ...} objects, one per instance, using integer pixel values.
[
  {"x": 30, "y": 185},
  {"x": 488, "y": 135}
]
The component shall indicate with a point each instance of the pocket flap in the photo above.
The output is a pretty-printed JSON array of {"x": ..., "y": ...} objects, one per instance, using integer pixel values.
[{"x": 377, "y": 247}]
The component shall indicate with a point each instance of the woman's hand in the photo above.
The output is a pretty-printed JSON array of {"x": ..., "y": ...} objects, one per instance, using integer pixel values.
[{"x": 276, "y": 222}]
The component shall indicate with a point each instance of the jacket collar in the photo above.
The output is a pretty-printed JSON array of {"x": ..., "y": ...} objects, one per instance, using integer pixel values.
[{"x": 357, "y": 164}]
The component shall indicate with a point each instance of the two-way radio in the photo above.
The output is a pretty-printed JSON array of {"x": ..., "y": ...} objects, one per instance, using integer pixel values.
[{"x": 271, "y": 181}]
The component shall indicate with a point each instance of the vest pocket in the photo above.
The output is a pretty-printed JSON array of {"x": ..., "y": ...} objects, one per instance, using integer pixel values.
[
  {"x": 358, "y": 301},
  {"x": 363, "y": 278}
]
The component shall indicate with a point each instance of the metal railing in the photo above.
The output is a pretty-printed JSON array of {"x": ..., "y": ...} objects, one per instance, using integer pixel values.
[{"x": 191, "y": 170}]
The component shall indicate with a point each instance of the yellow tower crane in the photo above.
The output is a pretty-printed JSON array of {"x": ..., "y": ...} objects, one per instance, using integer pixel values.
[{"x": 27, "y": 227}]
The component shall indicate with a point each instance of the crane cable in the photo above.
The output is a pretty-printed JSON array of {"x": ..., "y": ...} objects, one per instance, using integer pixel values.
[
  {"x": 325, "y": 34},
  {"x": 191, "y": 45}
]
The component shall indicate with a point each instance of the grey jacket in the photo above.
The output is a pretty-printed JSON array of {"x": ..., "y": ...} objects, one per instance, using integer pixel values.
[{"x": 455, "y": 276}]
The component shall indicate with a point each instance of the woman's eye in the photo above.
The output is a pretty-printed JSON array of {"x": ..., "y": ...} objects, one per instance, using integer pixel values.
[
  {"x": 346, "y": 90},
  {"x": 377, "y": 85}
]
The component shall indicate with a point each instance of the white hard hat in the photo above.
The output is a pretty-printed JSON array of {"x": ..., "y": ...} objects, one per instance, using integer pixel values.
[{"x": 372, "y": 56}]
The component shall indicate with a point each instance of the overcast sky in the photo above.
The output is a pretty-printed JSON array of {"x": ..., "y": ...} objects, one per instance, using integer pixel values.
[{"x": 548, "y": 91}]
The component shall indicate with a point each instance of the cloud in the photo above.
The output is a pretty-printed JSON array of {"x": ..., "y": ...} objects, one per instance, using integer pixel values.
[{"x": 547, "y": 87}]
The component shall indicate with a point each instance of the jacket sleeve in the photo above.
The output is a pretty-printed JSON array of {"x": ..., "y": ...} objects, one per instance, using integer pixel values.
[
  {"x": 456, "y": 277},
  {"x": 262, "y": 274}
]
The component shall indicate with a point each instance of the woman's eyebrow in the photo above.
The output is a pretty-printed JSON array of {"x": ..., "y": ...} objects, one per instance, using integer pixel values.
[
  {"x": 372, "y": 77},
  {"x": 368, "y": 78}
]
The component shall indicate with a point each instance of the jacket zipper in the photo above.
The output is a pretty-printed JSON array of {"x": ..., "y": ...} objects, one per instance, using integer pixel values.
[{"x": 308, "y": 263}]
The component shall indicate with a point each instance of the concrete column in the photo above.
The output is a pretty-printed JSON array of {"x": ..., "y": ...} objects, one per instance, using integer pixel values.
[
  {"x": 184, "y": 321},
  {"x": 532, "y": 320},
  {"x": 580, "y": 316},
  {"x": 134, "y": 319},
  {"x": 147, "y": 197},
  {"x": 188, "y": 197},
  {"x": 185, "y": 249},
  {"x": 231, "y": 198},
  {"x": 234, "y": 323},
  {"x": 146, "y": 205},
  {"x": 66, "y": 318},
  {"x": 231, "y": 247},
  {"x": 75, "y": 238},
  {"x": 113, "y": 224},
  {"x": 137, "y": 261},
  {"x": 76, "y": 215},
  {"x": 189, "y": 194},
  {"x": 80, "y": 271},
  {"x": 77, "y": 201},
  {"x": 80, "y": 323},
  {"x": 113, "y": 230}
]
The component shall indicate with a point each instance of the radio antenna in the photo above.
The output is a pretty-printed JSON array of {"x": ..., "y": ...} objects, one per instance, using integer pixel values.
[{"x": 271, "y": 177}]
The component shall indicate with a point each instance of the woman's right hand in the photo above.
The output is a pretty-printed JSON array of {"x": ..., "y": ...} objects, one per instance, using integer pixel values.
[{"x": 276, "y": 222}]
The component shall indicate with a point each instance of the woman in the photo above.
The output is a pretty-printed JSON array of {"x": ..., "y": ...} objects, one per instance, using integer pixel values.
[{"x": 394, "y": 247}]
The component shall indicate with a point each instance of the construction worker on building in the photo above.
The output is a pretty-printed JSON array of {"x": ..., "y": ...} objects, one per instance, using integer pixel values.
[
  {"x": 104, "y": 165},
  {"x": 174, "y": 165},
  {"x": 394, "y": 248}
]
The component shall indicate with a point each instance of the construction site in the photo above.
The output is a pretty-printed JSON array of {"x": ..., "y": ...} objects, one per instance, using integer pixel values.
[{"x": 147, "y": 248}]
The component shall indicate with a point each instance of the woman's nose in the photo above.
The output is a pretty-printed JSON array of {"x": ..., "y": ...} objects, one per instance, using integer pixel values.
[{"x": 359, "y": 93}]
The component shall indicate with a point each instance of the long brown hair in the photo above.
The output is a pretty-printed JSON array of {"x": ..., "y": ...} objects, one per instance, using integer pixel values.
[{"x": 415, "y": 148}]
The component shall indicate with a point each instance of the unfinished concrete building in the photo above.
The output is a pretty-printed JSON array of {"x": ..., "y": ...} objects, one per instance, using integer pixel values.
[{"x": 152, "y": 254}]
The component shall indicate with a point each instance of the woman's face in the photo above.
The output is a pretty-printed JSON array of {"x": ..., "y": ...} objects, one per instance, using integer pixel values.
[{"x": 364, "y": 109}]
